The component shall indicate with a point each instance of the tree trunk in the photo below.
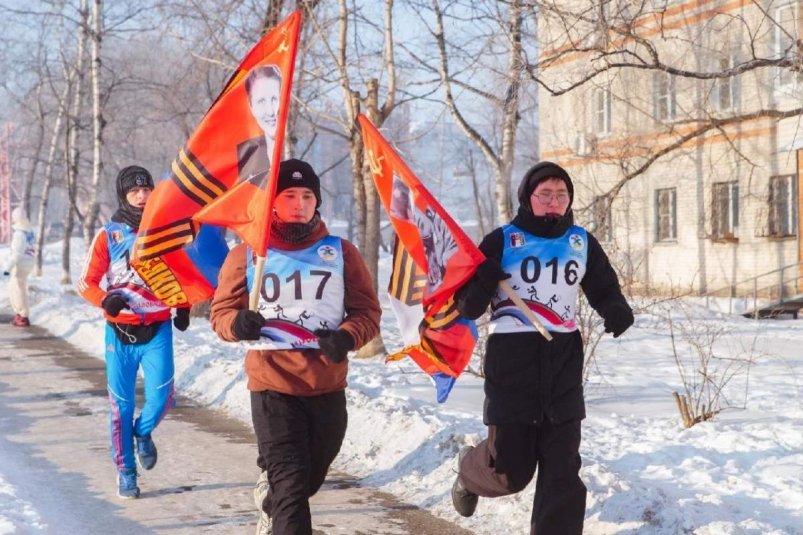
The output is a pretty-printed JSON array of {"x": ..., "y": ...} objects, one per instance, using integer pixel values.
[
  {"x": 93, "y": 207},
  {"x": 370, "y": 248},
  {"x": 40, "y": 140},
  {"x": 73, "y": 152},
  {"x": 510, "y": 114},
  {"x": 48, "y": 181}
]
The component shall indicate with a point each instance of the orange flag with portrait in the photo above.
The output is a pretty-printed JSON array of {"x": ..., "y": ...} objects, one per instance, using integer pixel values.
[
  {"x": 432, "y": 258},
  {"x": 225, "y": 174}
]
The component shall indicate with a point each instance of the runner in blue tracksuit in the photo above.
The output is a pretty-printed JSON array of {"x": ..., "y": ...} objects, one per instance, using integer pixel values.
[{"x": 138, "y": 332}]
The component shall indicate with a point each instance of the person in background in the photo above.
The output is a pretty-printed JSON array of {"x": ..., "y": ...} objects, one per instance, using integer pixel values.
[
  {"x": 138, "y": 332},
  {"x": 317, "y": 282},
  {"x": 20, "y": 264},
  {"x": 533, "y": 387}
]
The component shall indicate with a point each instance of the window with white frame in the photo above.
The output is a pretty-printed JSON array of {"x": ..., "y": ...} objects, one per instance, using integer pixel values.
[
  {"x": 725, "y": 94},
  {"x": 725, "y": 210},
  {"x": 783, "y": 208},
  {"x": 663, "y": 92},
  {"x": 601, "y": 214},
  {"x": 602, "y": 111},
  {"x": 787, "y": 33},
  {"x": 666, "y": 228}
]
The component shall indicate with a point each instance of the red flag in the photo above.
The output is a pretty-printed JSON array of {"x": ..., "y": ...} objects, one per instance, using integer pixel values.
[
  {"x": 266, "y": 101},
  {"x": 436, "y": 243},
  {"x": 226, "y": 160},
  {"x": 432, "y": 258}
]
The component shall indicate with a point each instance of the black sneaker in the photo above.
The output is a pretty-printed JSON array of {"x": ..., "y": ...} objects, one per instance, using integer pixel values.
[
  {"x": 146, "y": 452},
  {"x": 464, "y": 501}
]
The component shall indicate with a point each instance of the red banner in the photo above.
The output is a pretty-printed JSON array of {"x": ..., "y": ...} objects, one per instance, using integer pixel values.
[
  {"x": 432, "y": 258},
  {"x": 223, "y": 175},
  {"x": 436, "y": 243}
]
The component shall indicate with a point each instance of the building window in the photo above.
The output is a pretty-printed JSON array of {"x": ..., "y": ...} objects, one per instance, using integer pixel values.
[
  {"x": 726, "y": 92},
  {"x": 787, "y": 31},
  {"x": 725, "y": 210},
  {"x": 663, "y": 91},
  {"x": 601, "y": 214},
  {"x": 602, "y": 111},
  {"x": 666, "y": 228},
  {"x": 783, "y": 208}
]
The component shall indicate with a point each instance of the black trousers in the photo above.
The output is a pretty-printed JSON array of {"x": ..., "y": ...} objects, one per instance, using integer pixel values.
[
  {"x": 298, "y": 438},
  {"x": 506, "y": 461}
]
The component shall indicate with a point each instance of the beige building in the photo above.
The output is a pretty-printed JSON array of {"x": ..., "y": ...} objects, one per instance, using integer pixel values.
[{"x": 718, "y": 200}]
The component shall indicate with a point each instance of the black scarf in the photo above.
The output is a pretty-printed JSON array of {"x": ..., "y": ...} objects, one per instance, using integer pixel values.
[
  {"x": 547, "y": 226},
  {"x": 293, "y": 232},
  {"x": 129, "y": 215}
]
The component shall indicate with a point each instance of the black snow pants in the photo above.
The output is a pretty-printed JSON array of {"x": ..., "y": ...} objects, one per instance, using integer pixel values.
[
  {"x": 506, "y": 461},
  {"x": 298, "y": 438}
]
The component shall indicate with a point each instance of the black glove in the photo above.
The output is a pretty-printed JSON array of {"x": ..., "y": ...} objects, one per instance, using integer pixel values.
[
  {"x": 489, "y": 273},
  {"x": 247, "y": 325},
  {"x": 182, "y": 319},
  {"x": 335, "y": 344},
  {"x": 617, "y": 319},
  {"x": 6, "y": 273},
  {"x": 113, "y": 303}
]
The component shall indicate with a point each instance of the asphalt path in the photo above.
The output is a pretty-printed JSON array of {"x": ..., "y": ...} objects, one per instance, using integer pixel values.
[{"x": 54, "y": 452}]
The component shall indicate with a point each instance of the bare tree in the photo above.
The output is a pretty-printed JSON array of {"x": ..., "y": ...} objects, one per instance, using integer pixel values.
[
  {"x": 73, "y": 150},
  {"x": 609, "y": 40},
  {"x": 473, "y": 76},
  {"x": 93, "y": 206}
]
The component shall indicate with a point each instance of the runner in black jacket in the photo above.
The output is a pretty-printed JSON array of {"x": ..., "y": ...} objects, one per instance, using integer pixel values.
[{"x": 533, "y": 387}]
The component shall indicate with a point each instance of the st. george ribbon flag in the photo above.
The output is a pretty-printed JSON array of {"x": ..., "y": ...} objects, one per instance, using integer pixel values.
[
  {"x": 432, "y": 258},
  {"x": 223, "y": 177}
]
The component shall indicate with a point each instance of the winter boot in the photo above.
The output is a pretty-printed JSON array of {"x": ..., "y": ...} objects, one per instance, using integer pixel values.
[
  {"x": 264, "y": 524},
  {"x": 464, "y": 501},
  {"x": 146, "y": 452},
  {"x": 127, "y": 484},
  {"x": 20, "y": 321}
]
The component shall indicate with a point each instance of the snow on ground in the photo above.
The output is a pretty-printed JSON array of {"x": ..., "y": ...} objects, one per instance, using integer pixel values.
[{"x": 741, "y": 473}]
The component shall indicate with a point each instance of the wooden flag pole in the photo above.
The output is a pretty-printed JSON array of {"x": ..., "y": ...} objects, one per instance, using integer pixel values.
[
  {"x": 254, "y": 297},
  {"x": 525, "y": 309}
]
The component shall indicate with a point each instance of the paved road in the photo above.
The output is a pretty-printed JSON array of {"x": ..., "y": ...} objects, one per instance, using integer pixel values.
[{"x": 54, "y": 452}]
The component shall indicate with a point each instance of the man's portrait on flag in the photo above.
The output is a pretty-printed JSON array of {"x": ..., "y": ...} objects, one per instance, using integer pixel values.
[
  {"x": 439, "y": 245},
  {"x": 400, "y": 205},
  {"x": 263, "y": 86}
]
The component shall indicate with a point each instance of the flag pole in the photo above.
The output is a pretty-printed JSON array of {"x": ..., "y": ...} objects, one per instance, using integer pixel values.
[
  {"x": 253, "y": 300},
  {"x": 525, "y": 309}
]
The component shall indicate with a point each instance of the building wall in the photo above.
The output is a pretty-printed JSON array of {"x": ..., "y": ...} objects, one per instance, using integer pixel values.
[{"x": 749, "y": 152}]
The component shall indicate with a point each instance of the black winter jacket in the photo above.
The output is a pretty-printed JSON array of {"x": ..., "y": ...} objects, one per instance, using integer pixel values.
[{"x": 528, "y": 378}]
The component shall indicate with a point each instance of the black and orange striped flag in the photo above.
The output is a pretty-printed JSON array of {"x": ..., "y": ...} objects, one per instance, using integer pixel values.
[{"x": 223, "y": 176}]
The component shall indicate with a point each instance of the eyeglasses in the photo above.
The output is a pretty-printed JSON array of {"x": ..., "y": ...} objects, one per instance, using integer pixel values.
[{"x": 546, "y": 198}]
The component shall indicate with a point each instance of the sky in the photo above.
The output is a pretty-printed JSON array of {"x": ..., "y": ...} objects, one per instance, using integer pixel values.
[{"x": 741, "y": 473}]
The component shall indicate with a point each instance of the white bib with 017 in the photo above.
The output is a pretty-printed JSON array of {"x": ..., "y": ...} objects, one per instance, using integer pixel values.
[{"x": 300, "y": 292}]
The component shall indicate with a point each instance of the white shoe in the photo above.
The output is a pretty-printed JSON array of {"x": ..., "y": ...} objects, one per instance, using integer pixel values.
[{"x": 264, "y": 524}]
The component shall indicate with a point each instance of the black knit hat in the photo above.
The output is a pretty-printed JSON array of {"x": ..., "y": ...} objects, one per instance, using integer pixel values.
[
  {"x": 132, "y": 177},
  {"x": 537, "y": 174},
  {"x": 298, "y": 174},
  {"x": 129, "y": 178}
]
